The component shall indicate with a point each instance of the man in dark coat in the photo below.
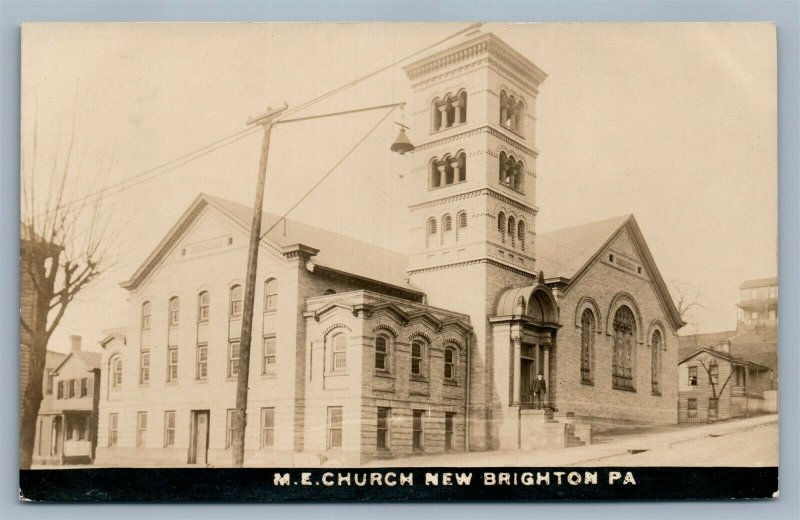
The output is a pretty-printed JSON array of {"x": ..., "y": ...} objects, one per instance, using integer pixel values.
[{"x": 539, "y": 389}]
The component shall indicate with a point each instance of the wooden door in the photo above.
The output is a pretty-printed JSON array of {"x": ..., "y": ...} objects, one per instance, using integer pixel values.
[{"x": 198, "y": 446}]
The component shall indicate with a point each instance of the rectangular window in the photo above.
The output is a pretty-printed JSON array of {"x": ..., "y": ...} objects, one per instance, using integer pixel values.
[
  {"x": 49, "y": 387},
  {"x": 418, "y": 432},
  {"x": 230, "y": 429},
  {"x": 172, "y": 361},
  {"x": 383, "y": 428},
  {"x": 268, "y": 362},
  {"x": 202, "y": 362},
  {"x": 169, "y": 429},
  {"x": 113, "y": 428},
  {"x": 691, "y": 408},
  {"x": 84, "y": 387},
  {"x": 82, "y": 427},
  {"x": 144, "y": 366},
  {"x": 233, "y": 358},
  {"x": 713, "y": 373},
  {"x": 334, "y": 427},
  {"x": 141, "y": 428},
  {"x": 448, "y": 430},
  {"x": 449, "y": 363},
  {"x": 692, "y": 376},
  {"x": 71, "y": 388},
  {"x": 267, "y": 427},
  {"x": 416, "y": 358},
  {"x": 60, "y": 394}
]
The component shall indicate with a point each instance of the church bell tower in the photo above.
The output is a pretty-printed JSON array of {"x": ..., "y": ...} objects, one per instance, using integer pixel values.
[{"x": 473, "y": 208}]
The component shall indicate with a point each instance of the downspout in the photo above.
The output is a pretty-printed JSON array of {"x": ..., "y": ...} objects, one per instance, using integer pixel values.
[{"x": 467, "y": 394}]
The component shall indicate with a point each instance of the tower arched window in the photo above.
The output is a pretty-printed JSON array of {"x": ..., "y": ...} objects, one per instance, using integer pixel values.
[
  {"x": 449, "y": 110},
  {"x": 622, "y": 359},
  {"x": 270, "y": 295},
  {"x": 447, "y": 229},
  {"x": 512, "y": 229},
  {"x": 655, "y": 362},
  {"x": 587, "y": 347},
  {"x": 511, "y": 171},
  {"x": 521, "y": 234},
  {"x": 512, "y": 111},
  {"x": 430, "y": 232},
  {"x": 461, "y": 225},
  {"x": 501, "y": 225},
  {"x": 448, "y": 170}
]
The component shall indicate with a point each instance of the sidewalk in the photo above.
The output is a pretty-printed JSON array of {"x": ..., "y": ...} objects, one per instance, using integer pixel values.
[{"x": 605, "y": 447}]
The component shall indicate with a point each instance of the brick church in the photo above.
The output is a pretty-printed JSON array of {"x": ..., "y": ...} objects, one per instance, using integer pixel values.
[{"x": 361, "y": 352}]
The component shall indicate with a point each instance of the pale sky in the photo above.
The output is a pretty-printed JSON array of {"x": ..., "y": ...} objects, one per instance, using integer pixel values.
[{"x": 675, "y": 123}]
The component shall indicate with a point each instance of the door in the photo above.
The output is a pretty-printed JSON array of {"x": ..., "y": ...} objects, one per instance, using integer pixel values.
[
  {"x": 527, "y": 375},
  {"x": 198, "y": 445},
  {"x": 56, "y": 440}
]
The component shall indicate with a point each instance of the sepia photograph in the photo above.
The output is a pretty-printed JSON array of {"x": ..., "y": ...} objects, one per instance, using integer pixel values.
[{"x": 473, "y": 260}]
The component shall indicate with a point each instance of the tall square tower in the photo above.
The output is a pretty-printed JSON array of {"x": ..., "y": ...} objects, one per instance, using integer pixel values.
[{"x": 473, "y": 209}]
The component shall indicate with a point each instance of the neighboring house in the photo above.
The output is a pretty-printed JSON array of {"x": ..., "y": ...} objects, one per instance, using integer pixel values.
[
  {"x": 756, "y": 334},
  {"x": 67, "y": 428},
  {"x": 360, "y": 352},
  {"x": 47, "y": 447},
  {"x": 713, "y": 385}
]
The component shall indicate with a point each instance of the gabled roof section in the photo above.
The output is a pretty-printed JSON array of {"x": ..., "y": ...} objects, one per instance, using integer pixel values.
[
  {"x": 565, "y": 254},
  {"x": 335, "y": 251},
  {"x": 727, "y": 357},
  {"x": 90, "y": 359}
]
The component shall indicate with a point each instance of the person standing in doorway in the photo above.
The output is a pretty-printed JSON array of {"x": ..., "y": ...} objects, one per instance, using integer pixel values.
[{"x": 539, "y": 389}]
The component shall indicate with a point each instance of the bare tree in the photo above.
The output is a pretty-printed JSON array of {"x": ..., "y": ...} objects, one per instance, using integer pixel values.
[
  {"x": 686, "y": 298},
  {"x": 708, "y": 363},
  {"x": 63, "y": 249}
]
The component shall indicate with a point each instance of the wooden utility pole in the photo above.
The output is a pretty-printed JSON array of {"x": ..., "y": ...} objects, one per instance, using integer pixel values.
[{"x": 245, "y": 339}]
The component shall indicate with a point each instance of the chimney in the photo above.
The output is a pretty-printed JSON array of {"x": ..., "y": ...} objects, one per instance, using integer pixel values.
[{"x": 75, "y": 343}]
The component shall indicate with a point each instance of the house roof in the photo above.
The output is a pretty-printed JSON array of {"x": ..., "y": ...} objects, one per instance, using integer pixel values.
[
  {"x": 759, "y": 282},
  {"x": 335, "y": 251},
  {"x": 726, "y": 357},
  {"x": 565, "y": 254},
  {"x": 91, "y": 359},
  {"x": 689, "y": 343}
]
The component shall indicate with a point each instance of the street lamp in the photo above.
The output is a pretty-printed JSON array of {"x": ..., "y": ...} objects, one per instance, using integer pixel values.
[{"x": 267, "y": 120}]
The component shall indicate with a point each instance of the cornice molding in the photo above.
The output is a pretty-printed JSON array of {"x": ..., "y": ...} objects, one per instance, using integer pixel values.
[
  {"x": 488, "y": 261},
  {"x": 533, "y": 210},
  {"x": 487, "y": 129}
]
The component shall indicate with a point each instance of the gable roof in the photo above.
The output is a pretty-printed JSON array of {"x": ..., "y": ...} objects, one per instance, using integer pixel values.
[
  {"x": 90, "y": 359},
  {"x": 565, "y": 254},
  {"x": 726, "y": 357},
  {"x": 335, "y": 251}
]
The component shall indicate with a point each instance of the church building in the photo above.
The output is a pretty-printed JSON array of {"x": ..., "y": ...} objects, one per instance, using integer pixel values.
[{"x": 360, "y": 352}]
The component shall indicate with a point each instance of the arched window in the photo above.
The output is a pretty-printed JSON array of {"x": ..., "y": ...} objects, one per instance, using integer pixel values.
[
  {"x": 448, "y": 170},
  {"x": 447, "y": 229},
  {"x": 450, "y": 363},
  {"x": 512, "y": 111},
  {"x": 270, "y": 295},
  {"x": 521, "y": 234},
  {"x": 339, "y": 353},
  {"x": 116, "y": 372},
  {"x": 502, "y": 168},
  {"x": 430, "y": 232},
  {"x": 203, "y": 303},
  {"x": 436, "y": 173},
  {"x": 174, "y": 311},
  {"x": 511, "y": 171},
  {"x": 382, "y": 353},
  {"x": 655, "y": 362},
  {"x": 417, "y": 358},
  {"x": 146, "y": 316},
  {"x": 461, "y": 225},
  {"x": 587, "y": 347},
  {"x": 622, "y": 359},
  {"x": 235, "y": 310},
  {"x": 512, "y": 229},
  {"x": 501, "y": 225},
  {"x": 449, "y": 111},
  {"x": 461, "y": 167}
]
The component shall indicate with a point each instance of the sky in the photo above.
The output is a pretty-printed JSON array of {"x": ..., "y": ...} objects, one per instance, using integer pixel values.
[{"x": 674, "y": 123}]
